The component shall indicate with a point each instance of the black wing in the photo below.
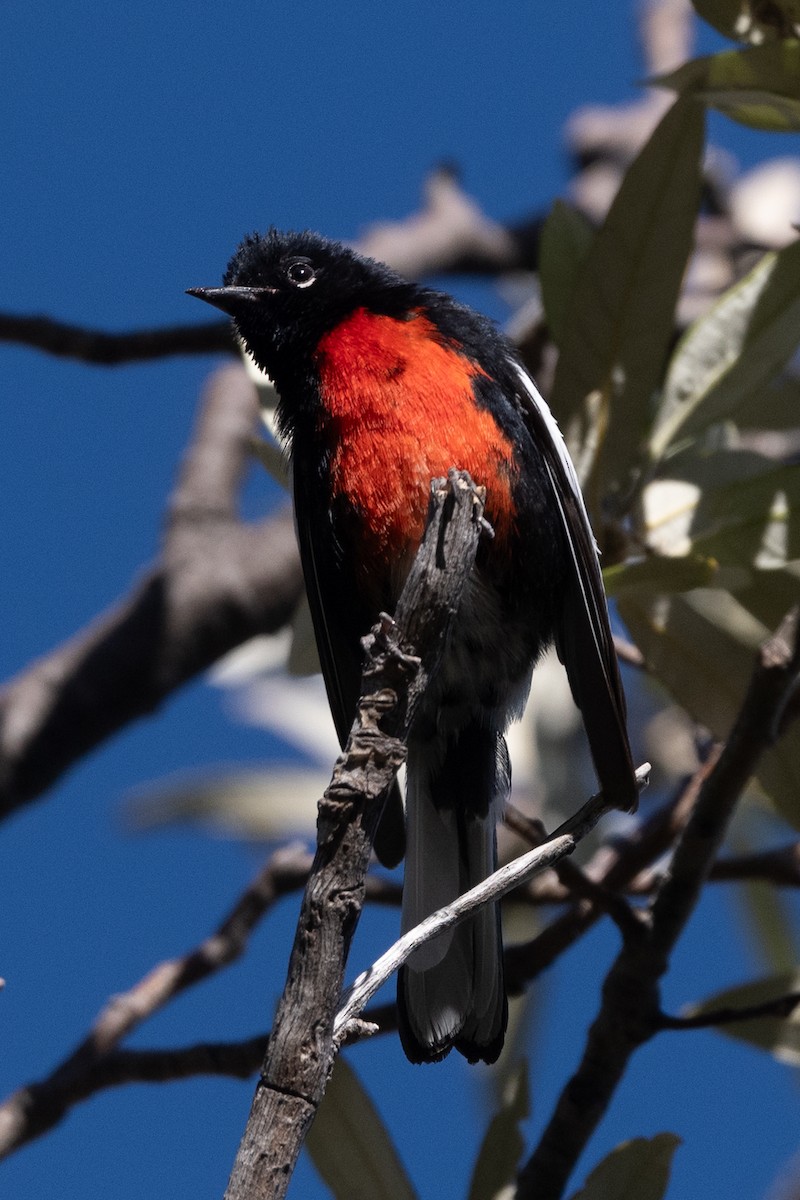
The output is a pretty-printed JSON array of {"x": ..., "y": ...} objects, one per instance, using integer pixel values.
[
  {"x": 339, "y": 649},
  {"x": 583, "y": 635}
]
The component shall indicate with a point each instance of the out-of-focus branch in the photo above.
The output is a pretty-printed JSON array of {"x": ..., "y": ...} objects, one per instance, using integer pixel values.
[
  {"x": 35, "y": 1108},
  {"x": 218, "y": 582},
  {"x": 552, "y": 851},
  {"x": 611, "y": 869},
  {"x": 575, "y": 883},
  {"x": 451, "y": 234},
  {"x": 98, "y": 1063},
  {"x": 780, "y": 866},
  {"x": 630, "y": 1012},
  {"x": 110, "y": 349},
  {"x": 781, "y": 1007}
]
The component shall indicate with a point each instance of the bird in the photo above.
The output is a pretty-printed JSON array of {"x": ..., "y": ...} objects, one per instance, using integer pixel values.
[{"x": 385, "y": 384}]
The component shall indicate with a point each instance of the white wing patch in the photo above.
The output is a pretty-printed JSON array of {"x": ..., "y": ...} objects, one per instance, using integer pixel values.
[{"x": 557, "y": 439}]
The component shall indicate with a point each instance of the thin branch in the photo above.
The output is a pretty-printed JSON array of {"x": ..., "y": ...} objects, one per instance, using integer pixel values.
[
  {"x": 451, "y": 234},
  {"x": 780, "y": 1006},
  {"x": 35, "y": 1108},
  {"x": 780, "y": 866},
  {"x": 574, "y": 881},
  {"x": 612, "y": 868},
  {"x": 629, "y": 1012},
  {"x": 218, "y": 583},
  {"x": 401, "y": 657},
  {"x": 98, "y": 1063},
  {"x": 110, "y": 349},
  {"x": 550, "y": 853}
]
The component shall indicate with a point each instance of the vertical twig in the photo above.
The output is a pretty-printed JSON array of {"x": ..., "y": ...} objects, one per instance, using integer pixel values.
[{"x": 402, "y": 656}]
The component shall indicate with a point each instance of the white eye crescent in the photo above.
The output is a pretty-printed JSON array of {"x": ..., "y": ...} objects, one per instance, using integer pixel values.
[{"x": 300, "y": 273}]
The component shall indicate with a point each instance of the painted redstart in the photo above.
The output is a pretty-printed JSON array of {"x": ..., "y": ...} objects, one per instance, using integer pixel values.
[{"x": 384, "y": 385}]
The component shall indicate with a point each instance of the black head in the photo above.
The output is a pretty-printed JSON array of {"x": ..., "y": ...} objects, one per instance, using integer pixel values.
[{"x": 285, "y": 290}]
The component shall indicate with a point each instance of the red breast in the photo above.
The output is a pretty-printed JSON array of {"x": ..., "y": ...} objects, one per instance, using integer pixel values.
[{"x": 399, "y": 409}]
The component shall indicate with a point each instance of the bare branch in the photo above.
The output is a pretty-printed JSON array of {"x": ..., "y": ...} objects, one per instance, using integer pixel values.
[
  {"x": 449, "y": 234},
  {"x": 780, "y": 866},
  {"x": 110, "y": 349},
  {"x": 630, "y": 1012},
  {"x": 612, "y": 868},
  {"x": 218, "y": 583},
  {"x": 35, "y": 1108},
  {"x": 780, "y": 1006},
  {"x": 574, "y": 881},
  {"x": 401, "y": 659},
  {"x": 97, "y": 1062},
  {"x": 550, "y": 853}
]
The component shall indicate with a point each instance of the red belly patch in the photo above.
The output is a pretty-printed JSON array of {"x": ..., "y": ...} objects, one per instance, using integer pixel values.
[{"x": 400, "y": 409}]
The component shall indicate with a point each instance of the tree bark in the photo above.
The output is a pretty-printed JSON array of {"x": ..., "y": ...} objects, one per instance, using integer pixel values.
[{"x": 401, "y": 657}]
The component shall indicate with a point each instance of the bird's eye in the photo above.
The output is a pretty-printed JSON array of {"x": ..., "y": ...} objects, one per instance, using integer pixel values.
[{"x": 301, "y": 273}]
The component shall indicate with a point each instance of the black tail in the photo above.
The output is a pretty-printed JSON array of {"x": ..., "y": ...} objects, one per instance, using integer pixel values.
[{"x": 451, "y": 991}]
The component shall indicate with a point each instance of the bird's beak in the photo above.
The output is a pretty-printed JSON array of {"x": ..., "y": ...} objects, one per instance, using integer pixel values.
[{"x": 234, "y": 301}]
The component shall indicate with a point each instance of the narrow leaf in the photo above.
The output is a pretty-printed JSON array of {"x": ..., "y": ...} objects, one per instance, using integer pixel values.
[
  {"x": 701, "y": 646},
  {"x": 660, "y": 574},
  {"x": 501, "y": 1149},
  {"x": 769, "y": 595},
  {"x": 776, "y": 408},
  {"x": 767, "y": 911},
  {"x": 758, "y": 86},
  {"x": 639, "y": 1168},
  {"x": 350, "y": 1145},
  {"x": 620, "y": 320},
  {"x": 733, "y": 351},
  {"x": 565, "y": 243},
  {"x": 779, "y": 1036}
]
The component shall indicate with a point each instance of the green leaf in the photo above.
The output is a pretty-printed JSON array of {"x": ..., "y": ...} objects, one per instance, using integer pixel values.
[
  {"x": 779, "y": 1036},
  {"x": 770, "y": 594},
  {"x": 752, "y": 519},
  {"x": 759, "y": 86},
  {"x": 620, "y": 320},
  {"x": 350, "y": 1145},
  {"x": 502, "y": 1147},
  {"x": 660, "y": 574},
  {"x": 727, "y": 356},
  {"x": 701, "y": 646},
  {"x": 639, "y": 1168},
  {"x": 564, "y": 246},
  {"x": 751, "y": 22},
  {"x": 767, "y": 910},
  {"x": 776, "y": 408}
]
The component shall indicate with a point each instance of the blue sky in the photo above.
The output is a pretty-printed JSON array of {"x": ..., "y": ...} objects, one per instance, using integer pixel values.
[{"x": 139, "y": 142}]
